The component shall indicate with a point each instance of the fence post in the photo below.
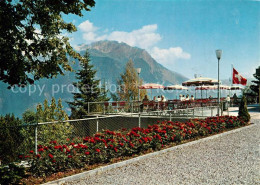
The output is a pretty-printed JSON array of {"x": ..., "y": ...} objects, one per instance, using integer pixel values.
[
  {"x": 202, "y": 111},
  {"x": 132, "y": 107},
  {"x": 88, "y": 107},
  {"x": 221, "y": 109},
  {"x": 35, "y": 137},
  {"x": 211, "y": 108},
  {"x": 170, "y": 116},
  {"x": 139, "y": 120},
  {"x": 193, "y": 112},
  {"x": 97, "y": 123}
]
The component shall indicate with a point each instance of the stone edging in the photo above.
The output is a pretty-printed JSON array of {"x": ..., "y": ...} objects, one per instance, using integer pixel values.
[{"x": 122, "y": 163}]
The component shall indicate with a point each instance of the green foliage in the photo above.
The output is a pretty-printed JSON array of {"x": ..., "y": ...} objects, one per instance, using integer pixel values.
[
  {"x": 107, "y": 145},
  {"x": 11, "y": 138},
  {"x": 128, "y": 84},
  {"x": 54, "y": 131},
  {"x": 89, "y": 90},
  {"x": 256, "y": 85},
  {"x": 11, "y": 174},
  {"x": 29, "y": 117},
  {"x": 243, "y": 112},
  {"x": 31, "y": 43}
]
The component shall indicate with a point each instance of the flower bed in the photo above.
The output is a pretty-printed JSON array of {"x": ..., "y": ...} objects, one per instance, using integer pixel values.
[{"x": 108, "y": 145}]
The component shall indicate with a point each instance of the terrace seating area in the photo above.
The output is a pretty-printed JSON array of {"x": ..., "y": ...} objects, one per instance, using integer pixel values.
[{"x": 149, "y": 106}]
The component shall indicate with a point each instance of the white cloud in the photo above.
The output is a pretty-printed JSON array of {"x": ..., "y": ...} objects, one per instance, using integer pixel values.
[
  {"x": 168, "y": 56},
  {"x": 145, "y": 38},
  {"x": 87, "y": 26}
]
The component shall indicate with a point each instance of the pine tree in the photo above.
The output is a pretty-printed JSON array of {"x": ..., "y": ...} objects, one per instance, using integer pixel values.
[
  {"x": 255, "y": 87},
  {"x": 88, "y": 90},
  {"x": 243, "y": 112}
]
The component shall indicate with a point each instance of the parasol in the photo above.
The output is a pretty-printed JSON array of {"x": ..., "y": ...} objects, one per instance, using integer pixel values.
[{"x": 200, "y": 81}]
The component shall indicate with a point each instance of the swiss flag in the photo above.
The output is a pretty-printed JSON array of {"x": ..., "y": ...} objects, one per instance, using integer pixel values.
[{"x": 238, "y": 78}]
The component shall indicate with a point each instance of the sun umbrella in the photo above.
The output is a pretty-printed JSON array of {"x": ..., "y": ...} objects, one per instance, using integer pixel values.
[
  {"x": 200, "y": 81},
  {"x": 151, "y": 86},
  {"x": 175, "y": 87},
  {"x": 221, "y": 87},
  {"x": 235, "y": 87}
]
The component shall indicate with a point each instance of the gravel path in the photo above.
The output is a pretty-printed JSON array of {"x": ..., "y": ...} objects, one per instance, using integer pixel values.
[{"x": 231, "y": 159}]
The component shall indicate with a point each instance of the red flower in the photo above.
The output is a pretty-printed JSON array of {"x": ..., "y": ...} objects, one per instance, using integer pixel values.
[
  {"x": 38, "y": 156},
  {"x": 132, "y": 145},
  {"x": 87, "y": 153},
  {"x": 54, "y": 161},
  {"x": 97, "y": 150},
  {"x": 115, "y": 149},
  {"x": 69, "y": 156},
  {"x": 40, "y": 150},
  {"x": 31, "y": 152},
  {"x": 51, "y": 156},
  {"x": 20, "y": 156}
]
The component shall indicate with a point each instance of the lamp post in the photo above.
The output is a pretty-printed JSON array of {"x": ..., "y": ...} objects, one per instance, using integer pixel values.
[
  {"x": 218, "y": 55},
  {"x": 138, "y": 70}
]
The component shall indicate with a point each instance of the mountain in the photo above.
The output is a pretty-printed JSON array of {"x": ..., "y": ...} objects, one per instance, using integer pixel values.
[{"x": 109, "y": 59}]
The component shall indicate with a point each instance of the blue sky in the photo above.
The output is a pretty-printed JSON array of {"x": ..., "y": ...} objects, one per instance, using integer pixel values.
[{"x": 181, "y": 35}]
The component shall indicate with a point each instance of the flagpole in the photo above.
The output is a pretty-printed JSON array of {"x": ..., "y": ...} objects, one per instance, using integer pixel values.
[{"x": 231, "y": 81}]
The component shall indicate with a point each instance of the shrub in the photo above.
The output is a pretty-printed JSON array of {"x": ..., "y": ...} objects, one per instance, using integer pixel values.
[
  {"x": 11, "y": 174},
  {"x": 243, "y": 112},
  {"x": 11, "y": 138},
  {"x": 107, "y": 145}
]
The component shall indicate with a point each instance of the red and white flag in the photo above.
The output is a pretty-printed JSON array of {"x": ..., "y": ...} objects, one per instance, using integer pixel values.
[{"x": 238, "y": 78}]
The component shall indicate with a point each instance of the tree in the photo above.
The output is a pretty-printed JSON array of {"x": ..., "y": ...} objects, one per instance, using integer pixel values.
[
  {"x": 11, "y": 138},
  {"x": 88, "y": 88},
  {"x": 31, "y": 42},
  {"x": 243, "y": 112},
  {"x": 128, "y": 84},
  {"x": 255, "y": 87}
]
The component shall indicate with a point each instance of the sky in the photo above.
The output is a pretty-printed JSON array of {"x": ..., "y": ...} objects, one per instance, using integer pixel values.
[{"x": 181, "y": 35}]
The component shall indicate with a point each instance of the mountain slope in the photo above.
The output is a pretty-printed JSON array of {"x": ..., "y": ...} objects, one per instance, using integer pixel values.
[{"x": 109, "y": 59}]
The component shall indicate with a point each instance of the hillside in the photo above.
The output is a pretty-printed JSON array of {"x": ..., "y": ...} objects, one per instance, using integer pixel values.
[{"x": 109, "y": 59}]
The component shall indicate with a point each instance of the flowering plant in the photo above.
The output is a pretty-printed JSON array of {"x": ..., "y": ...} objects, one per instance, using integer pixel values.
[{"x": 107, "y": 145}]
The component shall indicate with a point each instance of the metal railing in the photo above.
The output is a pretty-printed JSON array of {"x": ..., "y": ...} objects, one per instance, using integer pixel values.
[{"x": 28, "y": 137}]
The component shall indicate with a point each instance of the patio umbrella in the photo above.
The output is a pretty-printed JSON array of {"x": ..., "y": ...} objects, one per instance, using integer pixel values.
[
  {"x": 234, "y": 88},
  {"x": 222, "y": 87},
  {"x": 200, "y": 81},
  {"x": 175, "y": 87},
  {"x": 206, "y": 88},
  {"x": 151, "y": 86}
]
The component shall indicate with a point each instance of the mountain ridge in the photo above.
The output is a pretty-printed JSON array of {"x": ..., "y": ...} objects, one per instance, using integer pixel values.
[{"x": 108, "y": 58}]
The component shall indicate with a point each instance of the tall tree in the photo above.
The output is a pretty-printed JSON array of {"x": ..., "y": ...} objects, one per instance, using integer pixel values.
[
  {"x": 255, "y": 87},
  {"x": 31, "y": 42},
  {"x": 89, "y": 90},
  {"x": 128, "y": 84}
]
